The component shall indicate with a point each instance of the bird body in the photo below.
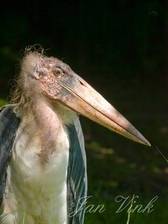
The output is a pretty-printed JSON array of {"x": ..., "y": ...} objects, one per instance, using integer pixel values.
[
  {"x": 41, "y": 190},
  {"x": 32, "y": 168},
  {"x": 43, "y": 170}
]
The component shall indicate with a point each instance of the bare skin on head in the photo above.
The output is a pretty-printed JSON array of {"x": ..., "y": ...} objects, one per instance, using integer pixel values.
[{"x": 56, "y": 82}]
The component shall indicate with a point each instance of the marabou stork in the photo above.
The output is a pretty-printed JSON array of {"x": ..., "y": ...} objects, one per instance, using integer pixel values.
[{"x": 42, "y": 156}]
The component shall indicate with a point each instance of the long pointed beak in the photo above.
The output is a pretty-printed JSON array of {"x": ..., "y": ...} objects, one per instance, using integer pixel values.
[{"x": 88, "y": 102}]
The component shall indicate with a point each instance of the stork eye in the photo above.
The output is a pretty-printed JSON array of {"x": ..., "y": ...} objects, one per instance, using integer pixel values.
[
  {"x": 58, "y": 72},
  {"x": 42, "y": 74}
]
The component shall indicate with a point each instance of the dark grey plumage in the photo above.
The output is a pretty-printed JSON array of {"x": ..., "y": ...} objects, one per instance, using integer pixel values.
[{"x": 9, "y": 124}]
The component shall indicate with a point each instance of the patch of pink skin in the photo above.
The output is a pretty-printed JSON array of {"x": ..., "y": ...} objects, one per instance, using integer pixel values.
[{"x": 48, "y": 124}]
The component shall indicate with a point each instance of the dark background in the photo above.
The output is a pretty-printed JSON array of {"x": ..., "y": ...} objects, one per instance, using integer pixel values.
[{"x": 120, "y": 48}]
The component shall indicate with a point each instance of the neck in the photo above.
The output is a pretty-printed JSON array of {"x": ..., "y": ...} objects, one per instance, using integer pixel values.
[{"x": 47, "y": 121}]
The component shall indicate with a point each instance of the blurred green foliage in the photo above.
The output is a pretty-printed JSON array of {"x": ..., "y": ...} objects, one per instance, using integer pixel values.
[{"x": 2, "y": 102}]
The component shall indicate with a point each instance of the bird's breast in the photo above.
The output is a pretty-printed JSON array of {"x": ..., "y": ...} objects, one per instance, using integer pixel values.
[
  {"x": 37, "y": 175},
  {"x": 41, "y": 149}
]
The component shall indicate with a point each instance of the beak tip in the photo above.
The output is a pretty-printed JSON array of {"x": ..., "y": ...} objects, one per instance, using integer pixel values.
[
  {"x": 148, "y": 144},
  {"x": 144, "y": 141}
]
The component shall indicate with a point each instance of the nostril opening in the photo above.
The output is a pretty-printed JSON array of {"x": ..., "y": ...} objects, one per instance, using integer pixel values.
[{"x": 82, "y": 83}]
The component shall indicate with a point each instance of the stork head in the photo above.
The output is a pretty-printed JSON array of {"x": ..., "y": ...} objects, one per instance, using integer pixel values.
[{"x": 57, "y": 82}]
